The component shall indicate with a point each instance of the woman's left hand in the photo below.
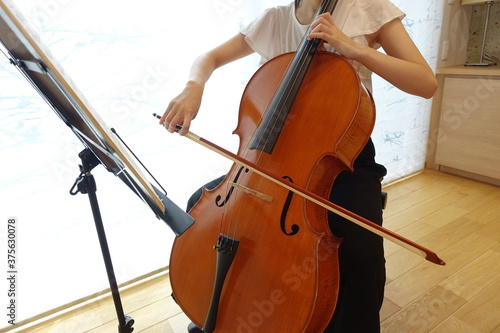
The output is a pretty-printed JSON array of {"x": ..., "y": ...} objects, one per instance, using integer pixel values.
[{"x": 324, "y": 28}]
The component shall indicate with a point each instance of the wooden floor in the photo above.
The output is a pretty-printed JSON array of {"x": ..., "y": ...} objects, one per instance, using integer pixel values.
[{"x": 457, "y": 218}]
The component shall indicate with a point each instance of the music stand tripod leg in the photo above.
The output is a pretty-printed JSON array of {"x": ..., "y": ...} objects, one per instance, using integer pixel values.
[{"x": 86, "y": 184}]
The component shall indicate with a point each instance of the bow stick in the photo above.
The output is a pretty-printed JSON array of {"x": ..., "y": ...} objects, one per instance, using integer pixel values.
[{"x": 361, "y": 221}]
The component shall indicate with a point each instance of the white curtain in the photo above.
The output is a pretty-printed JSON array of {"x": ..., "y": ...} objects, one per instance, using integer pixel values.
[
  {"x": 400, "y": 135},
  {"x": 130, "y": 58}
]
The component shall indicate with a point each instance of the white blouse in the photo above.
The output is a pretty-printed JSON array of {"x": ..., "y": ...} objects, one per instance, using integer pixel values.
[{"x": 277, "y": 30}]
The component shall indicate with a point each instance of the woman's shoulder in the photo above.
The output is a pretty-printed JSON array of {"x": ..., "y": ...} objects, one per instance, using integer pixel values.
[
  {"x": 367, "y": 16},
  {"x": 373, "y": 4}
]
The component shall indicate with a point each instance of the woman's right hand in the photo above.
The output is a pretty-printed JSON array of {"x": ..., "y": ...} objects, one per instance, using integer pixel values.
[{"x": 183, "y": 108}]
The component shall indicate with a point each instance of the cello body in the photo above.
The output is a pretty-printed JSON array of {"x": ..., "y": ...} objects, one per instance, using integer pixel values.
[{"x": 285, "y": 274}]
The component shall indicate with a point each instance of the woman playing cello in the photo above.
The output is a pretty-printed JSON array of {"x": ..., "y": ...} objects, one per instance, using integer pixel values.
[{"x": 355, "y": 30}]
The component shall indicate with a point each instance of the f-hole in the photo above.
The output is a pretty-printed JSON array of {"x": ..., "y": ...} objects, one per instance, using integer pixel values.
[
  {"x": 230, "y": 192},
  {"x": 295, "y": 228}
]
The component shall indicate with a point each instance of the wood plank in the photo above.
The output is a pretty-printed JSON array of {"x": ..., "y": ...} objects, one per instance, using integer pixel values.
[
  {"x": 388, "y": 309},
  {"x": 429, "y": 204},
  {"x": 483, "y": 311},
  {"x": 487, "y": 212},
  {"x": 163, "y": 326},
  {"x": 453, "y": 324},
  {"x": 491, "y": 230},
  {"x": 400, "y": 262},
  {"x": 425, "y": 312},
  {"x": 474, "y": 277},
  {"x": 477, "y": 194},
  {"x": 419, "y": 280},
  {"x": 418, "y": 195},
  {"x": 412, "y": 228},
  {"x": 145, "y": 317},
  {"x": 179, "y": 323},
  {"x": 445, "y": 215},
  {"x": 448, "y": 235},
  {"x": 102, "y": 310}
]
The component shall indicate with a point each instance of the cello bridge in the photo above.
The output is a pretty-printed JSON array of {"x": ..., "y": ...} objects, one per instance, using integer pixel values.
[{"x": 248, "y": 190}]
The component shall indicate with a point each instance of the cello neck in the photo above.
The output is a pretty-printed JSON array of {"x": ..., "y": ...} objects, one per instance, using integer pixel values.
[
  {"x": 271, "y": 125},
  {"x": 307, "y": 46}
]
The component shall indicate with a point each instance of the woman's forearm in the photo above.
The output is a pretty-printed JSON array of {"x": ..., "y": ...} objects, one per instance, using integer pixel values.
[
  {"x": 412, "y": 77},
  {"x": 201, "y": 70}
]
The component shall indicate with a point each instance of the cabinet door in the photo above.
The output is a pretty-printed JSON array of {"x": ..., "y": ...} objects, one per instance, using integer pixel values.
[{"x": 469, "y": 127}]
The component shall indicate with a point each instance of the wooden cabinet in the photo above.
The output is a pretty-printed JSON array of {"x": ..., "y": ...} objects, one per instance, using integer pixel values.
[{"x": 465, "y": 126}]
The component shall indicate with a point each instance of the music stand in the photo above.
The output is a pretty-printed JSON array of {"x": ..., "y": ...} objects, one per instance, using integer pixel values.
[{"x": 25, "y": 51}]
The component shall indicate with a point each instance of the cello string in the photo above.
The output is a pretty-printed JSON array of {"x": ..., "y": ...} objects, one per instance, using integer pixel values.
[
  {"x": 227, "y": 212},
  {"x": 305, "y": 48},
  {"x": 232, "y": 211},
  {"x": 303, "y": 53}
]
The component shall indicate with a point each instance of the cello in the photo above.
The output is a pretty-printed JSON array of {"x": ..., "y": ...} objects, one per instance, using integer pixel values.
[{"x": 257, "y": 249}]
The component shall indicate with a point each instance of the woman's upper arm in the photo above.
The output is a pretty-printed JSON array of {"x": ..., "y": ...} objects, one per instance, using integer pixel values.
[
  {"x": 231, "y": 50},
  {"x": 397, "y": 43},
  {"x": 405, "y": 67}
]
